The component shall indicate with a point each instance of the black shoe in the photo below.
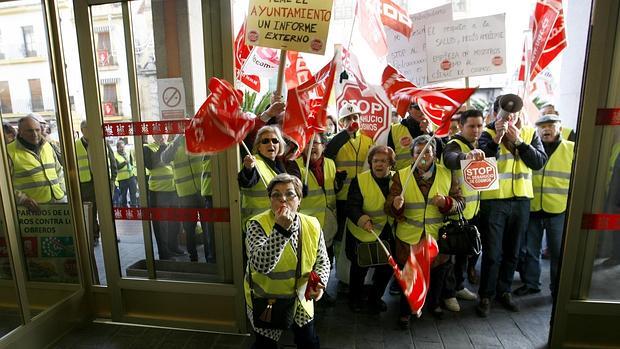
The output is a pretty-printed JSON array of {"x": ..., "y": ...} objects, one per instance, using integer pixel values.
[
  {"x": 395, "y": 289},
  {"x": 437, "y": 313},
  {"x": 483, "y": 309},
  {"x": 177, "y": 252},
  {"x": 524, "y": 291},
  {"x": 506, "y": 301},
  {"x": 403, "y": 323},
  {"x": 193, "y": 258},
  {"x": 376, "y": 307}
]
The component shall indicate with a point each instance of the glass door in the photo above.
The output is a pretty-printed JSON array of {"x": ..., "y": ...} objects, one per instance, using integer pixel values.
[{"x": 163, "y": 231}]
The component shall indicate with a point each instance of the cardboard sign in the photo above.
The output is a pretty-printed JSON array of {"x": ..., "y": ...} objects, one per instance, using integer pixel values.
[
  {"x": 171, "y": 95},
  {"x": 297, "y": 25},
  {"x": 375, "y": 119},
  {"x": 408, "y": 55},
  {"x": 468, "y": 47},
  {"x": 480, "y": 175},
  {"x": 48, "y": 243}
]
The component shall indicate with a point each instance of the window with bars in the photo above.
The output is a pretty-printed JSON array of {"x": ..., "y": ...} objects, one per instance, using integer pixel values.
[{"x": 29, "y": 41}]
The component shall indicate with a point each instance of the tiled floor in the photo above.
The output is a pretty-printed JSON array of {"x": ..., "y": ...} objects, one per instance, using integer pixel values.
[{"x": 339, "y": 328}]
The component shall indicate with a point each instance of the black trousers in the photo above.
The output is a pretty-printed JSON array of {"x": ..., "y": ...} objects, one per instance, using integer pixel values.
[
  {"x": 193, "y": 201},
  {"x": 166, "y": 232},
  {"x": 305, "y": 338},
  {"x": 87, "y": 192}
]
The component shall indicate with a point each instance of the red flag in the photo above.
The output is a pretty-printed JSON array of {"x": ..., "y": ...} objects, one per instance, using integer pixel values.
[
  {"x": 415, "y": 277},
  {"x": 548, "y": 36},
  {"x": 242, "y": 51},
  {"x": 438, "y": 103},
  {"x": 306, "y": 107},
  {"x": 371, "y": 27},
  {"x": 220, "y": 117},
  {"x": 396, "y": 18},
  {"x": 296, "y": 71}
]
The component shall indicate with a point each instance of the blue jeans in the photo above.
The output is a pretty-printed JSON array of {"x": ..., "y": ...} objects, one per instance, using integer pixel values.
[
  {"x": 530, "y": 260},
  {"x": 130, "y": 186},
  {"x": 503, "y": 223}
]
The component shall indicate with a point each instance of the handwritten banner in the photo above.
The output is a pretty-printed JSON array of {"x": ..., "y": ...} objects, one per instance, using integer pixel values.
[
  {"x": 408, "y": 55},
  {"x": 297, "y": 25},
  {"x": 468, "y": 47},
  {"x": 172, "y": 214},
  {"x": 144, "y": 128}
]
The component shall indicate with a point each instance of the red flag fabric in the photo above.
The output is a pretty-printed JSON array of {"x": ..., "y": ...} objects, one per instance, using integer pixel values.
[
  {"x": 219, "y": 123},
  {"x": 306, "y": 107},
  {"x": 396, "y": 18},
  {"x": 296, "y": 71},
  {"x": 548, "y": 36},
  {"x": 242, "y": 52},
  {"x": 371, "y": 27},
  {"x": 438, "y": 103},
  {"x": 415, "y": 277}
]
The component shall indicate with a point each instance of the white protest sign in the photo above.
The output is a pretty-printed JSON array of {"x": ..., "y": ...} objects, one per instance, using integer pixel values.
[
  {"x": 480, "y": 175},
  {"x": 296, "y": 25},
  {"x": 408, "y": 55},
  {"x": 468, "y": 47},
  {"x": 171, "y": 96}
]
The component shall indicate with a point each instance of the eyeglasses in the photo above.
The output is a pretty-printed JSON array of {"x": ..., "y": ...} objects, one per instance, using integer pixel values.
[
  {"x": 288, "y": 196},
  {"x": 268, "y": 140}
]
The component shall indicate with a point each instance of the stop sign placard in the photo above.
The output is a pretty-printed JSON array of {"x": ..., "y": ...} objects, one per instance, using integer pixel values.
[
  {"x": 375, "y": 118},
  {"x": 480, "y": 174}
]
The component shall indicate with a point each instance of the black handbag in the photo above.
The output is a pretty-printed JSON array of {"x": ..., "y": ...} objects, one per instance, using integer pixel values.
[
  {"x": 272, "y": 312},
  {"x": 459, "y": 237}
]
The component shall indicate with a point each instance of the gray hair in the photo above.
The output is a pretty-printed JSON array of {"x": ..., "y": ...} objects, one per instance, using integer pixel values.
[
  {"x": 423, "y": 139},
  {"x": 285, "y": 178},
  {"x": 269, "y": 128}
]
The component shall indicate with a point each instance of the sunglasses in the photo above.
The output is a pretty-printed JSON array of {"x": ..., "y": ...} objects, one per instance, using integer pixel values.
[{"x": 269, "y": 140}]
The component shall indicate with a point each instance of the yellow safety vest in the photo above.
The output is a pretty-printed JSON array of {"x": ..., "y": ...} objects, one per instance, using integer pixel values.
[
  {"x": 352, "y": 158},
  {"x": 280, "y": 282},
  {"x": 187, "y": 172},
  {"x": 35, "y": 175},
  {"x": 83, "y": 161},
  {"x": 373, "y": 204},
  {"x": 515, "y": 178},
  {"x": 551, "y": 183},
  {"x": 318, "y": 199},
  {"x": 420, "y": 214},
  {"x": 205, "y": 187},
  {"x": 255, "y": 200},
  {"x": 566, "y": 132},
  {"x": 160, "y": 177},
  {"x": 402, "y": 145},
  {"x": 472, "y": 197},
  {"x": 124, "y": 173}
]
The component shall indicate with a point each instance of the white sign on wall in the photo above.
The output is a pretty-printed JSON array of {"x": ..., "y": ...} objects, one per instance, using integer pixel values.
[
  {"x": 468, "y": 47},
  {"x": 171, "y": 96},
  {"x": 408, "y": 55}
]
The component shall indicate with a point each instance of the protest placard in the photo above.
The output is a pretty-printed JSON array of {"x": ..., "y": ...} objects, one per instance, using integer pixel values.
[
  {"x": 297, "y": 25},
  {"x": 480, "y": 175},
  {"x": 48, "y": 243},
  {"x": 408, "y": 55},
  {"x": 468, "y": 47}
]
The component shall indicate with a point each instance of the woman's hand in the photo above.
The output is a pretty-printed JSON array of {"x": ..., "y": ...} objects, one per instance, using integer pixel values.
[
  {"x": 285, "y": 217},
  {"x": 249, "y": 161},
  {"x": 398, "y": 202},
  {"x": 316, "y": 293},
  {"x": 439, "y": 201}
]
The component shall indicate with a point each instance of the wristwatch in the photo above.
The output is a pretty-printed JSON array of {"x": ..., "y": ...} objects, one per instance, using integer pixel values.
[{"x": 518, "y": 142}]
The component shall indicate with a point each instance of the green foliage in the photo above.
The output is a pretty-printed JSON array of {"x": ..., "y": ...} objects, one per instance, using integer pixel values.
[{"x": 249, "y": 102}]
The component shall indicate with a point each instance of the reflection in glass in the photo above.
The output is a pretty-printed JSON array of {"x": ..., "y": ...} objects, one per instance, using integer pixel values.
[{"x": 606, "y": 274}]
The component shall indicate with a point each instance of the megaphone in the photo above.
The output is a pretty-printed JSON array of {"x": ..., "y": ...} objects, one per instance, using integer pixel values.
[{"x": 508, "y": 104}]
